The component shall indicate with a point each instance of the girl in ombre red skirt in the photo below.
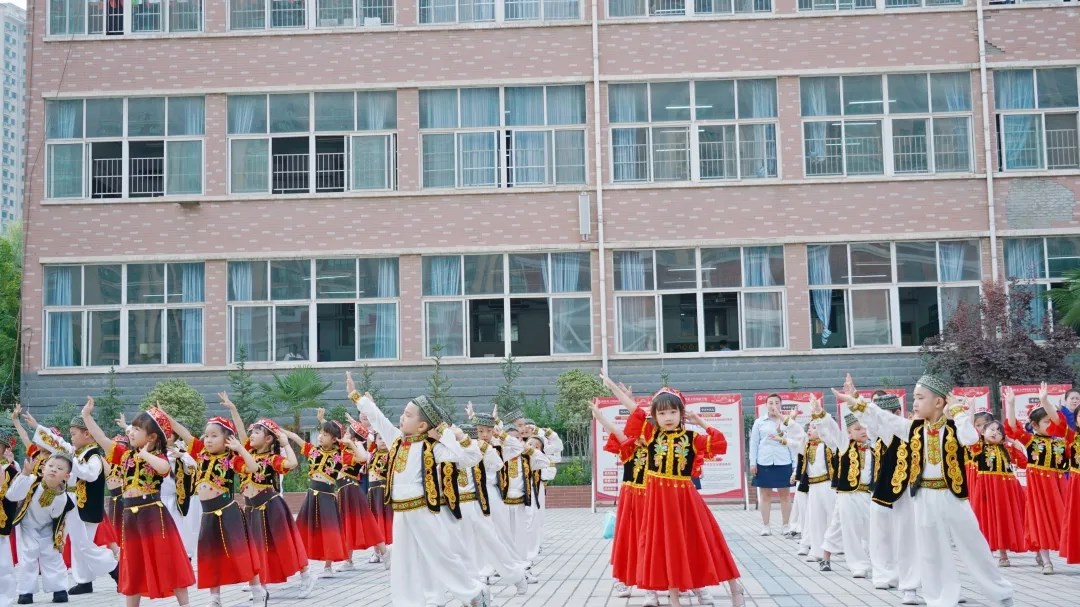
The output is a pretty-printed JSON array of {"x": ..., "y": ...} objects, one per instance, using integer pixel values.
[
  {"x": 1069, "y": 547},
  {"x": 682, "y": 547},
  {"x": 362, "y": 529},
  {"x": 999, "y": 503},
  {"x": 380, "y": 509},
  {"x": 153, "y": 562}
]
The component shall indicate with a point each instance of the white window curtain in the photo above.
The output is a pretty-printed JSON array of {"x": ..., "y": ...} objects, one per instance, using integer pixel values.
[
  {"x": 565, "y": 105},
  {"x": 370, "y": 155},
  {"x": 816, "y": 95},
  {"x": 184, "y": 167},
  {"x": 386, "y": 314},
  {"x": 571, "y": 326},
  {"x": 446, "y": 327},
  {"x": 566, "y": 269},
  {"x": 561, "y": 9},
  {"x": 65, "y": 119},
  {"x": 1024, "y": 261},
  {"x": 444, "y": 276},
  {"x": 764, "y": 320},
  {"x": 377, "y": 110},
  {"x": 821, "y": 299},
  {"x": 637, "y": 315},
  {"x": 187, "y": 116},
  {"x": 250, "y": 165},
  {"x": 65, "y": 170},
  {"x": 522, "y": 9},
  {"x": 438, "y": 109},
  {"x": 525, "y": 106},
  {"x": 951, "y": 266},
  {"x": 478, "y": 159},
  {"x": 58, "y": 285},
  {"x": 240, "y": 279},
  {"x": 530, "y": 157},
  {"x": 758, "y": 267},
  {"x": 247, "y": 114},
  {"x": 67, "y": 17},
  {"x": 1015, "y": 89},
  {"x": 191, "y": 277}
]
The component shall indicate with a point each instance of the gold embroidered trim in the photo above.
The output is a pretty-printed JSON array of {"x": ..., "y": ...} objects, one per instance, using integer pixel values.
[{"x": 406, "y": 505}]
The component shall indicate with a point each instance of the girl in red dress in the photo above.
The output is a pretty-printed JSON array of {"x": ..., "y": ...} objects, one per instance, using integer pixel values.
[
  {"x": 628, "y": 508},
  {"x": 999, "y": 505},
  {"x": 681, "y": 545},
  {"x": 225, "y": 554},
  {"x": 1044, "y": 505},
  {"x": 153, "y": 561},
  {"x": 362, "y": 530},
  {"x": 319, "y": 521},
  {"x": 383, "y": 513},
  {"x": 980, "y": 420},
  {"x": 1069, "y": 548}
]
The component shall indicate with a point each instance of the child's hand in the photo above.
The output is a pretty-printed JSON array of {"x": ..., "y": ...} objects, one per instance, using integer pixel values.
[
  {"x": 27, "y": 467},
  {"x": 30, "y": 421},
  {"x": 225, "y": 402},
  {"x": 87, "y": 410},
  {"x": 121, "y": 421},
  {"x": 695, "y": 418},
  {"x": 350, "y": 385},
  {"x": 320, "y": 414},
  {"x": 1009, "y": 396},
  {"x": 16, "y": 412},
  {"x": 849, "y": 385},
  {"x": 1044, "y": 392},
  {"x": 234, "y": 444}
]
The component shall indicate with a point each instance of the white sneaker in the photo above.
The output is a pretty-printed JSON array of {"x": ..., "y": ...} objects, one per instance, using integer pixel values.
[
  {"x": 910, "y": 598},
  {"x": 859, "y": 574},
  {"x": 703, "y": 596},
  {"x": 785, "y": 530},
  {"x": 521, "y": 587},
  {"x": 346, "y": 566},
  {"x": 532, "y": 579},
  {"x": 386, "y": 558},
  {"x": 375, "y": 558},
  {"x": 307, "y": 584},
  {"x": 884, "y": 586},
  {"x": 766, "y": 531},
  {"x": 803, "y": 551},
  {"x": 622, "y": 591},
  {"x": 651, "y": 599}
]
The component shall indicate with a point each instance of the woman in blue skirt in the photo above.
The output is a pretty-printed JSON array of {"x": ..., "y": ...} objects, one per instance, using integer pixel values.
[{"x": 771, "y": 460}]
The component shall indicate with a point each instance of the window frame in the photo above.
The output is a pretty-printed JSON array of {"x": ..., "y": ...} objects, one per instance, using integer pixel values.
[
  {"x": 1044, "y": 281},
  {"x": 124, "y": 308},
  {"x": 689, "y": 9},
  {"x": 311, "y": 14},
  {"x": 506, "y": 296},
  {"x": 312, "y": 302},
  {"x": 127, "y": 18},
  {"x": 1041, "y": 114},
  {"x": 499, "y": 13},
  {"x": 700, "y": 291}
]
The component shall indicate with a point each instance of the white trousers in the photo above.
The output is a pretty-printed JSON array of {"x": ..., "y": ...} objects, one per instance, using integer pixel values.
[
  {"x": 798, "y": 511},
  {"x": 81, "y": 571},
  {"x": 536, "y": 525},
  {"x": 820, "y": 503},
  {"x": 890, "y": 534},
  {"x": 427, "y": 564},
  {"x": 941, "y": 519},
  {"x": 852, "y": 518},
  {"x": 7, "y": 573},
  {"x": 504, "y": 529},
  {"x": 186, "y": 526},
  {"x": 36, "y": 550},
  {"x": 489, "y": 553}
]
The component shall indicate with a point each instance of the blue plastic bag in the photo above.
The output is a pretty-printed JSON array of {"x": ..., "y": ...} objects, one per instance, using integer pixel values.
[{"x": 609, "y": 526}]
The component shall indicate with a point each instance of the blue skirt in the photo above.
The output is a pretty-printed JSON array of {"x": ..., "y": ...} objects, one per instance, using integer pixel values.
[{"x": 773, "y": 477}]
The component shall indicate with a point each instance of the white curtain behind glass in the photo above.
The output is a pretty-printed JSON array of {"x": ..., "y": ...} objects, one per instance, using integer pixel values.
[
  {"x": 1024, "y": 260},
  {"x": 821, "y": 299},
  {"x": 637, "y": 316},
  {"x": 191, "y": 277},
  {"x": 59, "y": 283},
  {"x": 386, "y": 320},
  {"x": 240, "y": 284}
]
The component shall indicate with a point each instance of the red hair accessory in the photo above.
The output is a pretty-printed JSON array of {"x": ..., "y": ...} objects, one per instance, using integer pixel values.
[
  {"x": 32, "y": 450},
  {"x": 162, "y": 421},
  {"x": 671, "y": 391},
  {"x": 341, "y": 429},
  {"x": 120, "y": 438},
  {"x": 359, "y": 430},
  {"x": 224, "y": 423},
  {"x": 267, "y": 423}
]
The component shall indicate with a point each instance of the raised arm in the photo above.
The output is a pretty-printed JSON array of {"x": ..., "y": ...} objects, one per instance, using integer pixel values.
[
  {"x": 241, "y": 431},
  {"x": 15, "y": 413},
  {"x": 621, "y": 392},
  {"x": 713, "y": 442},
  {"x": 960, "y": 413},
  {"x": 607, "y": 424},
  {"x": 287, "y": 451},
  {"x": 178, "y": 428},
  {"x": 236, "y": 446},
  {"x": 95, "y": 430},
  {"x": 160, "y": 464},
  {"x": 827, "y": 428},
  {"x": 887, "y": 424}
]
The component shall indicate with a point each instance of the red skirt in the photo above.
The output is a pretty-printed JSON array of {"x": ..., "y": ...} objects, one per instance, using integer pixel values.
[
  {"x": 225, "y": 553},
  {"x": 1044, "y": 509},
  {"x": 320, "y": 526},
  {"x": 1069, "y": 549},
  {"x": 153, "y": 561},
  {"x": 384, "y": 513},
  {"x": 625, "y": 552},
  {"x": 1000, "y": 511},
  {"x": 681, "y": 544},
  {"x": 362, "y": 529},
  {"x": 276, "y": 541}
]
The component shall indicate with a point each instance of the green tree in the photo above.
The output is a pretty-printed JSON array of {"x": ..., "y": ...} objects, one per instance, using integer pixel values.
[
  {"x": 575, "y": 390},
  {"x": 365, "y": 383},
  {"x": 243, "y": 390},
  {"x": 179, "y": 400},
  {"x": 338, "y": 413},
  {"x": 439, "y": 384},
  {"x": 59, "y": 418},
  {"x": 110, "y": 404},
  {"x": 1066, "y": 299},
  {"x": 665, "y": 378},
  {"x": 11, "y": 250},
  {"x": 300, "y": 389},
  {"x": 509, "y": 398}
]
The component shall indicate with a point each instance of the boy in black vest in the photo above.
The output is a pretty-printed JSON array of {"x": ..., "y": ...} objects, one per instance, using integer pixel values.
[
  {"x": 8, "y": 472},
  {"x": 938, "y": 484},
  {"x": 87, "y": 488}
]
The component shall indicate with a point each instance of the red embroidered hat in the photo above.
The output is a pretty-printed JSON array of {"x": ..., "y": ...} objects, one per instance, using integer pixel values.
[
  {"x": 359, "y": 430},
  {"x": 162, "y": 421},
  {"x": 341, "y": 429},
  {"x": 671, "y": 391},
  {"x": 267, "y": 423},
  {"x": 120, "y": 438},
  {"x": 229, "y": 426}
]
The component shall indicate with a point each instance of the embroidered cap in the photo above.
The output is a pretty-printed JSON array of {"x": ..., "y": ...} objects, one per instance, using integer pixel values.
[
  {"x": 671, "y": 391},
  {"x": 850, "y": 419},
  {"x": 512, "y": 417},
  {"x": 936, "y": 385},
  {"x": 77, "y": 422},
  {"x": 470, "y": 430},
  {"x": 888, "y": 402},
  {"x": 529, "y": 422},
  {"x": 120, "y": 438},
  {"x": 162, "y": 421},
  {"x": 227, "y": 424},
  {"x": 268, "y": 424},
  {"x": 431, "y": 411},
  {"x": 359, "y": 429},
  {"x": 485, "y": 420}
]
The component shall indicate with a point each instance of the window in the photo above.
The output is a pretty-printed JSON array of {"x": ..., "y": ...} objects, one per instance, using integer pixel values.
[
  {"x": 468, "y": 11},
  {"x": 312, "y": 143},
  {"x": 888, "y": 294},
  {"x": 106, "y": 17},
  {"x": 301, "y": 14},
  {"x": 678, "y": 8},
  {"x": 124, "y": 315},
  {"x": 520, "y": 304},
  {"x": 1037, "y": 119},
  {"x": 918, "y": 3},
  {"x": 728, "y": 132},
  {"x": 124, "y": 148},
  {"x": 1039, "y": 264},
  {"x": 700, "y": 300},
  {"x": 503, "y": 137},
  {"x": 839, "y": 5},
  {"x": 349, "y": 312},
  {"x": 893, "y": 125}
]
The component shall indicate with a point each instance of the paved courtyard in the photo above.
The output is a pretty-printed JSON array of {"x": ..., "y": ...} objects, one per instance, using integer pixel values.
[{"x": 573, "y": 571}]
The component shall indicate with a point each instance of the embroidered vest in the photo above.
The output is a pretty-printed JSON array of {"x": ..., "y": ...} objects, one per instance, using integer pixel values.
[
  {"x": 849, "y": 472},
  {"x": 671, "y": 455},
  {"x": 137, "y": 474},
  {"x": 379, "y": 462},
  {"x": 59, "y": 532},
  {"x": 452, "y": 479},
  {"x": 1047, "y": 453},
  {"x": 890, "y": 475},
  {"x": 1075, "y": 449},
  {"x": 832, "y": 463},
  {"x": 185, "y": 485},
  {"x": 215, "y": 470},
  {"x": 265, "y": 476},
  {"x": 993, "y": 459},
  {"x": 480, "y": 482},
  {"x": 953, "y": 458},
  {"x": 429, "y": 470},
  {"x": 7, "y": 508},
  {"x": 90, "y": 496},
  {"x": 518, "y": 466},
  {"x": 802, "y": 472},
  {"x": 634, "y": 467}
]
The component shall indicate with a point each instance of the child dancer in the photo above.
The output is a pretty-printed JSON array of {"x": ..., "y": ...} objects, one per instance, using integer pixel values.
[
  {"x": 935, "y": 464},
  {"x": 224, "y": 554},
  {"x": 153, "y": 562},
  {"x": 815, "y": 474},
  {"x": 999, "y": 504},
  {"x": 383, "y": 513},
  {"x": 362, "y": 530},
  {"x": 1044, "y": 504},
  {"x": 514, "y": 488},
  {"x": 425, "y": 566},
  {"x": 44, "y": 514},
  {"x": 319, "y": 520},
  {"x": 852, "y": 513},
  {"x": 7, "y": 513},
  {"x": 682, "y": 545},
  {"x": 1070, "y": 529}
]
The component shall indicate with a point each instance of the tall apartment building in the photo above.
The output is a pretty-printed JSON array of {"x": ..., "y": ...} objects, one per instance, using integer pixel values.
[
  {"x": 13, "y": 141},
  {"x": 748, "y": 194}
]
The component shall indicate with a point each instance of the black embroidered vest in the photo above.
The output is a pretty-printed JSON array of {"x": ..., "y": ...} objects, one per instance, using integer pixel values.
[
  {"x": 890, "y": 476},
  {"x": 518, "y": 466},
  {"x": 429, "y": 471},
  {"x": 480, "y": 481},
  {"x": 58, "y": 527},
  {"x": 953, "y": 458},
  {"x": 671, "y": 455},
  {"x": 185, "y": 486},
  {"x": 850, "y": 467},
  {"x": 90, "y": 496},
  {"x": 7, "y": 508},
  {"x": 1047, "y": 453},
  {"x": 993, "y": 459}
]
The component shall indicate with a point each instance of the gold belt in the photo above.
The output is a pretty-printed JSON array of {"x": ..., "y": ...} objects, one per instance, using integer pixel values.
[
  {"x": 813, "y": 480},
  {"x": 406, "y": 505},
  {"x": 514, "y": 501},
  {"x": 933, "y": 483},
  {"x": 467, "y": 497},
  {"x": 135, "y": 509},
  {"x": 864, "y": 488}
]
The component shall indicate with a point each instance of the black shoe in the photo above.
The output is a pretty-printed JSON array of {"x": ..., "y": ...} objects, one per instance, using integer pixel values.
[
  {"x": 60, "y": 597},
  {"x": 86, "y": 588},
  {"x": 26, "y": 599},
  {"x": 825, "y": 566},
  {"x": 115, "y": 574}
]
